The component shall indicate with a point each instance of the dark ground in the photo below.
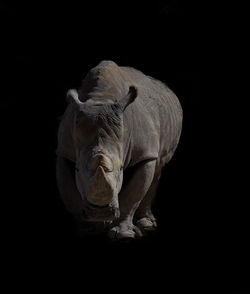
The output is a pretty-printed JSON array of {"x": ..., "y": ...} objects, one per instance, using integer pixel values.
[{"x": 202, "y": 208}]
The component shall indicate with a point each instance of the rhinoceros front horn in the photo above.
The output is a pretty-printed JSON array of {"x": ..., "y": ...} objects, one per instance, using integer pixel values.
[{"x": 99, "y": 190}]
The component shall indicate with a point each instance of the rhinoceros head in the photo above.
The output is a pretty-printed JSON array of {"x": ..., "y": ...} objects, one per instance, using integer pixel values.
[{"x": 98, "y": 137}]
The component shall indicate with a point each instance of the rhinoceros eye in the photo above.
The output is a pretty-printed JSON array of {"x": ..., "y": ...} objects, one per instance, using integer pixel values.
[{"x": 107, "y": 169}]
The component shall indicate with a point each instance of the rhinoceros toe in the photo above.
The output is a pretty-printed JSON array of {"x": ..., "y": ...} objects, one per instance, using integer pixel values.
[
  {"x": 146, "y": 224},
  {"x": 120, "y": 233}
]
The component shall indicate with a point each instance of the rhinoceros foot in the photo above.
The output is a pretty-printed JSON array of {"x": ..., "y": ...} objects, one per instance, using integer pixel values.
[
  {"x": 147, "y": 224},
  {"x": 124, "y": 232}
]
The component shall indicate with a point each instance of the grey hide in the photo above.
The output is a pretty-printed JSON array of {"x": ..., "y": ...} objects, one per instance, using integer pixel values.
[{"x": 119, "y": 118}]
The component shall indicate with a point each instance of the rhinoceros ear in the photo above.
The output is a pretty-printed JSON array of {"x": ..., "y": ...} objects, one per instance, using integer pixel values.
[
  {"x": 129, "y": 98},
  {"x": 72, "y": 97}
]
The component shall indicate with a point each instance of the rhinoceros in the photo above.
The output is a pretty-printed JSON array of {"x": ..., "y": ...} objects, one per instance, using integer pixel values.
[{"x": 120, "y": 128}]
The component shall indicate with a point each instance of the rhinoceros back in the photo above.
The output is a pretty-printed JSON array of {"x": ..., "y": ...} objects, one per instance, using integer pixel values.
[{"x": 156, "y": 116}]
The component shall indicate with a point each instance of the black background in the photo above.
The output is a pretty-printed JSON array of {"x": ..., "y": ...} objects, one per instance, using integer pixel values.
[{"x": 202, "y": 209}]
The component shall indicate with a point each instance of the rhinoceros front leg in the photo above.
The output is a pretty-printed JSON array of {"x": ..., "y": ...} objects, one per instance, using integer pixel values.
[
  {"x": 130, "y": 198},
  {"x": 65, "y": 172},
  {"x": 70, "y": 196},
  {"x": 144, "y": 216}
]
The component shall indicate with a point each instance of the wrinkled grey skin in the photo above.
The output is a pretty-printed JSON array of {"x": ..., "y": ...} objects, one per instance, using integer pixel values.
[{"x": 119, "y": 118}]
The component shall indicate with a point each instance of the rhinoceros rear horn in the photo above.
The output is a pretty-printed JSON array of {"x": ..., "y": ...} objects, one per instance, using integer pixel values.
[
  {"x": 72, "y": 97},
  {"x": 129, "y": 98}
]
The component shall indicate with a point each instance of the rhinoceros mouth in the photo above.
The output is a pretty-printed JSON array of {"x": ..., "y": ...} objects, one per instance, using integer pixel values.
[
  {"x": 95, "y": 213},
  {"x": 97, "y": 206}
]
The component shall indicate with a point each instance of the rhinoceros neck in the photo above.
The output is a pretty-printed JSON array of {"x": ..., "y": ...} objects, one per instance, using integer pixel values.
[
  {"x": 105, "y": 83},
  {"x": 99, "y": 99},
  {"x": 126, "y": 142}
]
